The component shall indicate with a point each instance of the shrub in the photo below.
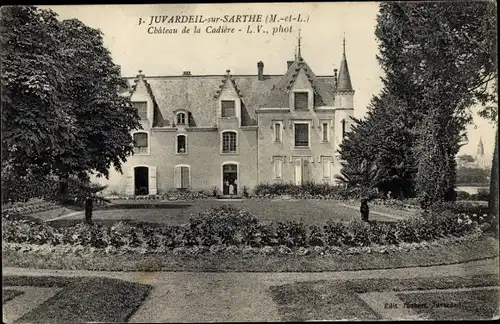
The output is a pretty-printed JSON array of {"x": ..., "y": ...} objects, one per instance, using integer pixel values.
[
  {"x": 291, "y": 234},
  {"x": 224, "y": 225},
  {"x": 305, "y": 190}
]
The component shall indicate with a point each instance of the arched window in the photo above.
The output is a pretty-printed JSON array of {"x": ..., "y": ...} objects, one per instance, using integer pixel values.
[
  {"x": 181, "y": 144},
  {"x": 140, "y": 143},
  {"x": 181, "y": 118},
  {"x": 229, "y": 142}
]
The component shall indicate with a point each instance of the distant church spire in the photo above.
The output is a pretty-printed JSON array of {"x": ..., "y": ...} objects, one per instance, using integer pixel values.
[
  {"x": 344, "y": 78},
  {"x": 480, "y": 147}
]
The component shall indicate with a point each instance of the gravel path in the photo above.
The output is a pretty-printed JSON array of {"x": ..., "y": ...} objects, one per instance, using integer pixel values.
[{"x": 239, "y": 296}]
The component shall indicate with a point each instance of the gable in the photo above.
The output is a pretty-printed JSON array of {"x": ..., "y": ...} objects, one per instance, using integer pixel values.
[{"x": 301, "y": 81}]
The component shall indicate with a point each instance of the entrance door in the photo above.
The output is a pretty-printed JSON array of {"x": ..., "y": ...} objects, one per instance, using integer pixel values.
[
  {"x": 301, "y": 170},
  {"x": 141, "y": 181},
  {"x": 230, "y": 179}
]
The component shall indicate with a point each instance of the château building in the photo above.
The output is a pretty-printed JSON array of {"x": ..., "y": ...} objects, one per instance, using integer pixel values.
[{"x": 205, "y": 131}]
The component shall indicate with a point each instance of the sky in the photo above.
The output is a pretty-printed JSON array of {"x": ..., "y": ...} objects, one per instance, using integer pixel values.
[{"x": 134, "y": 49}]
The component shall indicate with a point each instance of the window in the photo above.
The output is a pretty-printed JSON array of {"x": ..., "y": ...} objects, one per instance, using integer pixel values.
[
  {"x": 278, "y": 126},
  {"x": 181, "y": 144},
  {"x": 301, "y": 134},
  {"x": 142, "y": 108},
  {"x": 141, "y": 143},
  {"x": 326, "y": 161},
  {"x": 301, "y": 100},
  {"x": 228, "y": 108},
  {"x": 278, "y": 168},
  {"x": 181, "y": 118},
  {"x": 325, "y": 132},
  {"x": 229, "y": 142}
]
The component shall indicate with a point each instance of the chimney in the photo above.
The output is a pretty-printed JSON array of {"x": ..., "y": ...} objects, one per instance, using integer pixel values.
[
  {"x": 186, "y": 72},
  {"x": 335, "y": 78},
  {"x": 260, "y": 70},
  {"x": 288, "y": 64}
]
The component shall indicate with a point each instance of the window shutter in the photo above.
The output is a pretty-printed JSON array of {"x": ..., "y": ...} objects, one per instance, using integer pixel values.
[
  {"x": 177, "y": 177},
  {"x": 305, "y": 171},
  {"x": 152, "y": 180},
  {"x": 278, "y": 168},
  {"x": 185, "y": 177},
  {"x": 129, "y": 189},
  {"x": 298, "y": 172}
]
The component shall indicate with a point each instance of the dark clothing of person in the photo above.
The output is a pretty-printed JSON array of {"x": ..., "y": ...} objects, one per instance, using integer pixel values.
[{"x": 364, "y": 210}]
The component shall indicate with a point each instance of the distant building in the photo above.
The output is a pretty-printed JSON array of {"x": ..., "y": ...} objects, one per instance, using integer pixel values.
[
  {"x": 481, "y": 161},
  {"x": 229, "y": 131}
]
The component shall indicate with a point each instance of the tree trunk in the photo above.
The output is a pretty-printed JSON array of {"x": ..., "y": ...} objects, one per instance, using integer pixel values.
[
  {"x": 493, "y": 202},
  {"x": 89, "y": 206},
  {"x": 63, "y": 186}
]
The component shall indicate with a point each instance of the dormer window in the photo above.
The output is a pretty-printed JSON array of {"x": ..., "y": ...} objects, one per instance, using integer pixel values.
[
  {"x": 301, "y": 100},
  {"x": 181, "y": 118},
  {"x": 142, "y": 109},
  {"x": 228, "y": 108}
]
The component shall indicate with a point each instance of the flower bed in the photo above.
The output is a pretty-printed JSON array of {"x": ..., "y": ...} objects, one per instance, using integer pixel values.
[
  {"x": 410, "y": 203},
  {"x": 25, "y": 208},
  {"x": 171, "y": 195},
  {"x": 82, "y": 250},
  {"x": 221, "y": 227},
  {"x": 308, "y": 190}
]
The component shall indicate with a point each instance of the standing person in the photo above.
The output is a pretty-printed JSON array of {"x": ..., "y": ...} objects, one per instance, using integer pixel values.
[
  {"x": 364, "y": 210},
  {"x": 231, "y": 189}
]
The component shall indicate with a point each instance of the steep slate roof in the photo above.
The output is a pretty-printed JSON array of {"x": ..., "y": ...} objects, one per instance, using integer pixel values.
[
  {"x": 344, "y": 79},
  {"x": 323, "y": 87},
  {"x": 199, "y": 94}
]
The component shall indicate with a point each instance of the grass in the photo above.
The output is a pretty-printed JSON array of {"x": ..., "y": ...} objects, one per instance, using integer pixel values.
[
  {"x": 474, "y": 249},
  {"x": 309, "y": 211},
  {"x": 8, "y": 294},
  {"x": 338, "y": 300},
  {"x": 91, "y": 299},
  {"x": 461, "y": 305}
]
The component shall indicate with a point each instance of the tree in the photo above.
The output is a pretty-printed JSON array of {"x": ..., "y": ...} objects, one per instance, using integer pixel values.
[
  {"x": 385, "y": 137},
  {"x": 466, "y": 158},
  {"x": 439, "y": 58},
  {"x": 62, "y": 111},
  {"x": 363, "y": 178}
]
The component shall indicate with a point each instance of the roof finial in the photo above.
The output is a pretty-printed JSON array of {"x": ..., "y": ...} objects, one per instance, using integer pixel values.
[
  {"x": 343, "y": 44},
  {"x": 299, "y": 39}
]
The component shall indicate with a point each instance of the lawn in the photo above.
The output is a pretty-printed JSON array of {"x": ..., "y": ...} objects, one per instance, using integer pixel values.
[
  {"x": 83, "y": 300},
  {"x": 175, "y": 213},
  {"x": 339, "y": 300}
]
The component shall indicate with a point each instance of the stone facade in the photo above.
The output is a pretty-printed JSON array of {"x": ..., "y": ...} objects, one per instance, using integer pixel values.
[{"x": 229, "y": 131}]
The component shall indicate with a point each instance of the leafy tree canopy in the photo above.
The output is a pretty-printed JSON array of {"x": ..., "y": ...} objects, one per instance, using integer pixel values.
[{"x": 61, "y": 109}]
